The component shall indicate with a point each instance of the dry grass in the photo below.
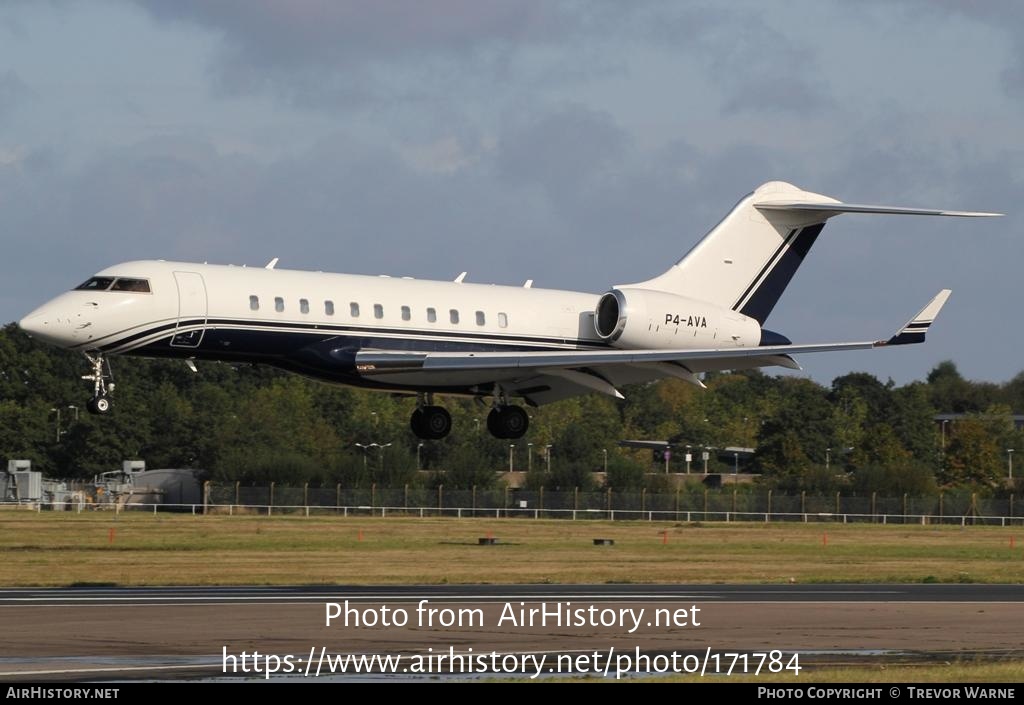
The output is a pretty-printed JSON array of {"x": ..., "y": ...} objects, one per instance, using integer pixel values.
[{"x": 144, "y": 549}]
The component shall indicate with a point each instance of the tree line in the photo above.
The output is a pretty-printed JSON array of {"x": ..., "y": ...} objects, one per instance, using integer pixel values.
[{"x": 257, "y": 425}]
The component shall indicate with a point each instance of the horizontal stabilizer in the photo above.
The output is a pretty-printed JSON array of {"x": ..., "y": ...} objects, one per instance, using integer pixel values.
[
  {"x": 917, "y": 326},
  {"x": 835, "y": 208}
]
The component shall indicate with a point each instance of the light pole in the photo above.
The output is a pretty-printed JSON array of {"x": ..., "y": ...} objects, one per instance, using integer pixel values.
[
  {"x": 511, "y": 456},
  {"x": 419, "y": 465},
  {"x": 828, "y": 458},
  {"x": 605, "y": 451},
  {"x": 380, "y": 450},
  {"x": 944, "y": 422},
  {"x": 736, "y": 463},
  {"x": 529, "y": 457},
  {"x": 689, "y": 457},
  {"x": 363, "y": 447},
  {"x": 374, "y": 415},
  {"x": 72, "y": 406},
  {"x": 547, "y": 452},
  {"x": 1009, "y": 463},
  {"x": 58, "y": 422}
]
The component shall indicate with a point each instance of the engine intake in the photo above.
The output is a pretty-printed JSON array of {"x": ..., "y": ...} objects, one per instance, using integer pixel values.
[{"x": 609, "y": 321}]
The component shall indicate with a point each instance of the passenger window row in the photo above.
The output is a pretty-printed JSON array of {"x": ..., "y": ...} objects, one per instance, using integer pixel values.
[{"x": 378, "y": 311}]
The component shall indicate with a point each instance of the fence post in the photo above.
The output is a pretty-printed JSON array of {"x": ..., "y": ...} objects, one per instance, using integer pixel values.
[
  {"x": 837, "y": 502},
  {"x": 541, "y": 499},
  {"x": 874, "y": 512},
  {"x": 206, "y": 495},
  {"x": 373, "y": 496},
  {"x": 305, "y": 496},
  {"x": 942, "y": 513},
  {"x": 904, "y": 507},
  {"x": 474, "y": 500},
  {"x": 767, "y": 517},
  {"x": 803, "y": 503},
  {"x": 271, "y": 504},
  {"x": 337, "y": 497},
  {"x": 440, "y": 498},
  {"x": 576, "y": 499},
  {"x": 405, "y": 497},
  {"x": 237, "y": 495},
  {"x": 643, "y": 499},
  {"x": 705, "y": 505}
]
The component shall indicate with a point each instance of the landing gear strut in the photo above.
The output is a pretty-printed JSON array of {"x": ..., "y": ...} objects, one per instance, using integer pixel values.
[
  {"x": 100, "y": 402},
  {"x": 430, "y": 422}
]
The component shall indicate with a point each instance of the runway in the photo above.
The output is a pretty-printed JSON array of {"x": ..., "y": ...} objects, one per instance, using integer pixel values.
[
  {"x": 296, "y": 594},
  {"x": 101, "y": 633}
]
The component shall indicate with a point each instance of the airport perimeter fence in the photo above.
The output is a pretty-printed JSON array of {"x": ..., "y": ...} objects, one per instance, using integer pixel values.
[{"x": 708, "y": 505}]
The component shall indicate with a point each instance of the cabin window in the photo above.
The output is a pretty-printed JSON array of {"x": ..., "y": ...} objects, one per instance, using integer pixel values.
[
  {"x": 95, "y": 284},
  {"x": 278, "y": 304},
  {"x": 329, "y": 308},
  {"x": 453, "y": 315},
  {"x": 136, "y": 285},
  {"x": 406, "y": 313},
  {"x": 480, "y": 318},
  {"x": 378, "y": 311},
  {"x": 353, "y": 309},
  {"x": 431, "y": 315},
  {"x": 502, "y": 320},
  {"x": 254, "y": 303},
  {"x": 303, "y": 306}
]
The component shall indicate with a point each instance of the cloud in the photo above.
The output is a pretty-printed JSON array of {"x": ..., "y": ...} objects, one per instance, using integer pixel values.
[
  {"x": 13, "y": 92},
  {"x": 1004, "y": 16},
  {"x": 344, "y": 53}
]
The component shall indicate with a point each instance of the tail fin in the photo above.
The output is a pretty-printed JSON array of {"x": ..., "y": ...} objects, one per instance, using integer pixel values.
[{"x": 748, "y": 259}]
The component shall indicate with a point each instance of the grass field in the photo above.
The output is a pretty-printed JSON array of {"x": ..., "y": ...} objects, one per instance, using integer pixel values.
[{"x": 167, "y": 549}]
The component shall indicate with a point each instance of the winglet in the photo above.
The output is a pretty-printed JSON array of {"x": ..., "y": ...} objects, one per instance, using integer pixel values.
[
  {"x": 461, "y": 278},
  {"x": 271, "y": 264},
  {"x": 916, "y": 327}
]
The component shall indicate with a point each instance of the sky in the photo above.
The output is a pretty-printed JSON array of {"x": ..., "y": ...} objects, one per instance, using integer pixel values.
[{"x": 579, "y": 144}]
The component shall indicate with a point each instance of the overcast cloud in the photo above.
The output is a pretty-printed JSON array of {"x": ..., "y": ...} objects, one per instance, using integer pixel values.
[{"x": 580, "y": 144}]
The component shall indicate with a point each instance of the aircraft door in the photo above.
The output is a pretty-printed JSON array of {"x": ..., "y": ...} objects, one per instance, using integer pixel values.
[{"x": 191, "y": 310}]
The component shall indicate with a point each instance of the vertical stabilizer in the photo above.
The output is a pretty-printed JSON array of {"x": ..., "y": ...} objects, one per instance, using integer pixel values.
[{"x": 749, "y": 258}]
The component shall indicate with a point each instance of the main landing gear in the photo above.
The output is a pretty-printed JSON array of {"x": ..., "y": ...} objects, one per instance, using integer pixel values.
[
  {"x": 100, "y": 402},
  {"x": 508, "y": 421},
  {"x": 432, "y": 423}
]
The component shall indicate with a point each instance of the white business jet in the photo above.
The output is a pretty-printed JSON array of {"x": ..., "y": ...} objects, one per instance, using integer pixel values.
[{"x": 490, "y": 342}]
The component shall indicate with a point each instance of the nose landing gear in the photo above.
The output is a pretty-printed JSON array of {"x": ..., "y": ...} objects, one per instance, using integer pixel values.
[{"x": 100, "y": 402}]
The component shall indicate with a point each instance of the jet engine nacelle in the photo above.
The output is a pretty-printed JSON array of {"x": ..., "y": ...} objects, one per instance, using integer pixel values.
[{"x": 642, "y": 318}]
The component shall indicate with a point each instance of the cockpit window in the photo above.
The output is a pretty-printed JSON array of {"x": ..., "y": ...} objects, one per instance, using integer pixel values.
[
  {"x": 96, "y": 284},
  {"x": 139, "y": 285}
]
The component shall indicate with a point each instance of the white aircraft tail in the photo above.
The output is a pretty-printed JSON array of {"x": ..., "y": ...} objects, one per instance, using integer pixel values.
[{"x": 748, "y": 259}]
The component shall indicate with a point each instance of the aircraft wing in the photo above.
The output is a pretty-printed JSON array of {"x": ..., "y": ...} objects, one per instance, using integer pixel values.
[{"x": 544, "y": 376}]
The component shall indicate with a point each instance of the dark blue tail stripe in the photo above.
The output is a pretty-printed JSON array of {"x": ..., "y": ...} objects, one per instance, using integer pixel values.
[{"x": 767, "y": 294}]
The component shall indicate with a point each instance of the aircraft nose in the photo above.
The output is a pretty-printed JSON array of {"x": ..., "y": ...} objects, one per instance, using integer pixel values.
[
  {"x": 47, "y": 326},
  {"x": 34, "y": 323}
]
